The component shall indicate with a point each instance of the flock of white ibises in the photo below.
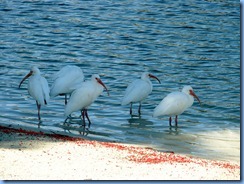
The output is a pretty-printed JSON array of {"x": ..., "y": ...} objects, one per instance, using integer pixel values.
[{"x": 70, "y": 81}]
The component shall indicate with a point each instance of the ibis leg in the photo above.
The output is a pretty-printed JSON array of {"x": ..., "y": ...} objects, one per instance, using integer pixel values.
[
  {"x": 83, "y": 118},
  {"x": 139, "y": 109},
  {"x": 131, "y": 108},
  {"x": 65, "y": 99},
  {"x": 38, "y": 113},
  {"x": 176, "y": 120},
  {"x": 170, "y": 120},
  {"x": 86, "y": 114},
  {"x": 65, "y": 121}
]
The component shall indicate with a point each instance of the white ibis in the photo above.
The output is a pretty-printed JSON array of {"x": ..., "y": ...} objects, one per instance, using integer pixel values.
[
  {"x": 66, "y": 81},
  {"x": 38, "y": 88},
  {"x": 138, "y": 90},
  {"x": 84, "y": 96},
  {"x": 176, "y": 103}
]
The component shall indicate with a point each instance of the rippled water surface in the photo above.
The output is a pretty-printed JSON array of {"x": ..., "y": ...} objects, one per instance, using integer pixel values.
[{"x": 180, "y": 42}]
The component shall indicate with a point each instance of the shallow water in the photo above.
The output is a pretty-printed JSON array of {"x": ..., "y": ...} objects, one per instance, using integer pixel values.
[{"x": 179, "y": 42}]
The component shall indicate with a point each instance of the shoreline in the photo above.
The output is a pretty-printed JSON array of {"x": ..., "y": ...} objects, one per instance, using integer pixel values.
[{"x": 30, "y": 155}]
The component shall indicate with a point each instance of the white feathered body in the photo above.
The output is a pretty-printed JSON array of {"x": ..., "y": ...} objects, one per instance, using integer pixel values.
[
  {"x": 83, "y": 97},
  {"x": 38, "y": 88},
  {"x": 137, "y": 91},
  {"x": 66, "y": 80},
  {"x": 173, "y": 104}
]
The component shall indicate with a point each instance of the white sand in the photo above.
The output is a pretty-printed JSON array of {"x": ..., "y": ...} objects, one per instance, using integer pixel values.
[{"x": 26, "y": 157}]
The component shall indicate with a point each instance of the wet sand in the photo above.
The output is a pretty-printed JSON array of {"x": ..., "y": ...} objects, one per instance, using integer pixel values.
[{"x": 28, "y": 155}]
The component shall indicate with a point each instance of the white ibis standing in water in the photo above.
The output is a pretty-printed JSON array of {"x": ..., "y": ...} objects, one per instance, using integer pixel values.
[
  {"x": 176, "y": 103},
  {"x": 138, "y": 90},
  {"x": 38, "y": 88},
  {"x": 66, "y": 81},
  {"x": 84, "y": 96}
]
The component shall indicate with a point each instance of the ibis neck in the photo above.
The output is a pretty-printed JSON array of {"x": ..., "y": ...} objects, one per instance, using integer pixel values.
[{"x": 190, "y": 100}]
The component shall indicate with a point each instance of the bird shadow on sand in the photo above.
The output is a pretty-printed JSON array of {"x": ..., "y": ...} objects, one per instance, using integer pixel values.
[{"x": 22, "y": 138}]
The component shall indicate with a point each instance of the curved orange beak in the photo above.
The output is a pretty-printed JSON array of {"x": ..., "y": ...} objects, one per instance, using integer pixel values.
[
  {"x": 195, "y": 96},
  {"x": 100, "y": 82}
]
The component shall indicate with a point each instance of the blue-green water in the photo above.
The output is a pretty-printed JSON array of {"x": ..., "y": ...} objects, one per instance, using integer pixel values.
[{"x": 180, "y": 42}]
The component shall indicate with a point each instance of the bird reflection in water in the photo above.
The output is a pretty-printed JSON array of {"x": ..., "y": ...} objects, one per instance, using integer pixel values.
[
  {"x": 137, "y": 121},
  {"x": 174, "y": 130},
  {"x": 74, "y": 124}
]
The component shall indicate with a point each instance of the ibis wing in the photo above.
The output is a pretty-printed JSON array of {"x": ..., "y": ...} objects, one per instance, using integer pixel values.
[
  {"x": 67, "y": 80},
  {"x": 173, "y": 104},
  {"x": 38, "y": 89},
  {"x": 68, "y": 70},
  {"x": 80, "y": 98},
  {"x": 45, "y": 89},
  {"x": 136, "y": 91}
]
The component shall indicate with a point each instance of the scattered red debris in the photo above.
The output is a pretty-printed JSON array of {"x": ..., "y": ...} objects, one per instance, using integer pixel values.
[
  {"x": 142, "y": 155},
  {"x": 33, "y": 133},
  {"x": 19, "y": 131},
  {"x": 136, "y": 154}
]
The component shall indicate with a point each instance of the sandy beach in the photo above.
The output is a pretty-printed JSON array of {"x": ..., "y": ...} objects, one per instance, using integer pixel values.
[{"x": 27, "y": 155}]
